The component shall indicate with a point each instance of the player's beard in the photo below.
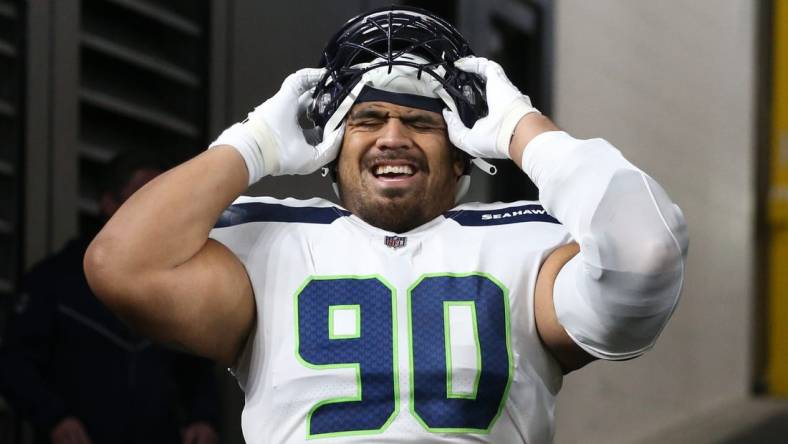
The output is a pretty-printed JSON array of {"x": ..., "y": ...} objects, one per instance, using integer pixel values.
[{"x": 397, "y": 213}]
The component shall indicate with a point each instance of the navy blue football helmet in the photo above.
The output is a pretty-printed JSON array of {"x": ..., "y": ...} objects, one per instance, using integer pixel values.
[{"x": 388, "y": 34}]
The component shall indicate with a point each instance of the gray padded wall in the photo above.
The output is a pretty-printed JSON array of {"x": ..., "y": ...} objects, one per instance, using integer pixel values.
[{"x": 672, "y": 84}]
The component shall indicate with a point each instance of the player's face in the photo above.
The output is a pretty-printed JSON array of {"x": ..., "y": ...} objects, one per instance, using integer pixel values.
[{"x": 397, "y": 169}]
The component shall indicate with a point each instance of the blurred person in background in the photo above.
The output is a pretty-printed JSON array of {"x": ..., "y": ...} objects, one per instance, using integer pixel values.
[{"x": 82, "y": 376}]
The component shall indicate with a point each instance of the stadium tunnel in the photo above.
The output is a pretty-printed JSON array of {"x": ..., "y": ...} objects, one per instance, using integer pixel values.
[{"x": 694, "y": 93}]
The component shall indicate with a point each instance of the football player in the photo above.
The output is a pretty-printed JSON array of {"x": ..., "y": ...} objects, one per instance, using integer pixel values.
[{"x": 398, "y": 316}]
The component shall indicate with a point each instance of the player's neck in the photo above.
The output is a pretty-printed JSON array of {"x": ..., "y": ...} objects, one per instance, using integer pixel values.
[{"x": 398, "y": 218}]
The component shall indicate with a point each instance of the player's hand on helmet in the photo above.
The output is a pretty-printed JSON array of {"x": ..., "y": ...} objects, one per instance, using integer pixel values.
[
  {"x": 490, "y": 136},
  {"x": 289, "y": 152},
  {"x": 272, "y": 141}
]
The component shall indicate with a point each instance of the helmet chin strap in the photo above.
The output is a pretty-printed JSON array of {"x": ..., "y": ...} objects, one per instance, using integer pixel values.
[
  {"x": 485, "y": 166},
  {"x": 335, "y": 187},
  {"x": 463, "y": 184}
]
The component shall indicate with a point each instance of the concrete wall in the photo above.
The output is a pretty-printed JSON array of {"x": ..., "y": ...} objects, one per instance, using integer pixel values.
[{"x": 672, "y": 84}]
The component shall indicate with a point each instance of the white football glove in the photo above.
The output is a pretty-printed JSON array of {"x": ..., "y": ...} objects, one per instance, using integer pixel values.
[
  {"x": 491, "y": 135},
  {"x": 271, "y": 140}
]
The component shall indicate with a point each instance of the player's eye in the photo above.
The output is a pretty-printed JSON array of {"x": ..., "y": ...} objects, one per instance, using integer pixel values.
[
  {"x": 425, "y": 126},
  {"x": 367, "y": 123}
]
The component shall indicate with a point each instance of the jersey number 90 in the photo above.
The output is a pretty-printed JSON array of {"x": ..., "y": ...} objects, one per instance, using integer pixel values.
[{"x": 351, "y": 322}]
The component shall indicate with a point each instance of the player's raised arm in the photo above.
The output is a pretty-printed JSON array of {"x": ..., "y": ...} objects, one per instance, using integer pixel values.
[
  {"x": 153, "y": 263},
  {"x": 613, "y": 298}
]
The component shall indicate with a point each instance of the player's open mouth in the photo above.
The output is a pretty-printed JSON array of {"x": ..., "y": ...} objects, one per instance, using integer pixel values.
[
  {"x": 389, "y": 172},
  {"x": 393, "y": 170}
]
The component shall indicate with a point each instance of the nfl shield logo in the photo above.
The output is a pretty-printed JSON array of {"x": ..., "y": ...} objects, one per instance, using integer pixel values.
[{"x": 396, "y": 241}]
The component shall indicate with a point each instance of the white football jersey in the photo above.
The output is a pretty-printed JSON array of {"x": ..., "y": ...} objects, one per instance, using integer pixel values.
[{"x": 363, "y": 335}]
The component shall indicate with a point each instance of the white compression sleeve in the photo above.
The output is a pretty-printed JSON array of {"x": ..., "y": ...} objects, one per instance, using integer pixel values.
[
  {"x": 615, "y": 297},
  {"x": 252, "y": 138}
]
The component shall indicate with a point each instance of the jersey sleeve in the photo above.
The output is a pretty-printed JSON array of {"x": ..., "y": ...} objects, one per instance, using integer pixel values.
[{"x": 234, "y": 232}]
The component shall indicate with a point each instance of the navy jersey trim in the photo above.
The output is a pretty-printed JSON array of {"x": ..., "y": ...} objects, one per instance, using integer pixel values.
[
  {"x": 247, "y": 212},
  {"x": 501, "y": 216}
]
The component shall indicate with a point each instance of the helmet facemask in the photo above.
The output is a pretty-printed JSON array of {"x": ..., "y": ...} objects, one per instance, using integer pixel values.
[{"x": 397, "y": 36}]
